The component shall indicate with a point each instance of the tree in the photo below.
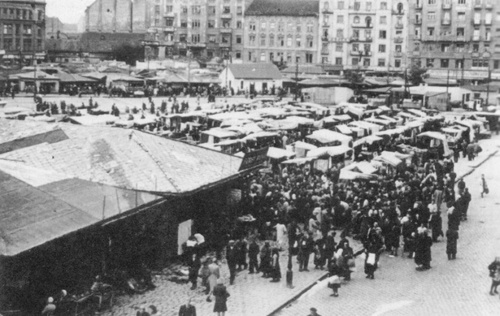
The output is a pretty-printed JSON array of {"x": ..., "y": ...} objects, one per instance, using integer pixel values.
[
  {"x": 416, "y": 75},
  {"x": 128, "y": 53},
  {"x": 355, "y": 79}
]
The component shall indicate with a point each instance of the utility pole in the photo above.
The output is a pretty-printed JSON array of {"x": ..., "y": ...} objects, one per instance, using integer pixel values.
[
  {"x": 189, "y": 71},
  {"x": 488, "y": 86},
  {"x": 296, "y": 78},
  {"x": 447, "y": 86}
]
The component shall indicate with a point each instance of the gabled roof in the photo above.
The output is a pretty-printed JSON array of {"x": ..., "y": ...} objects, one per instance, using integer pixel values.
[
  {"x": 127, "y": 159},
  {"x": 255, "y": 71},
  {"x": 283, "y": 8}
]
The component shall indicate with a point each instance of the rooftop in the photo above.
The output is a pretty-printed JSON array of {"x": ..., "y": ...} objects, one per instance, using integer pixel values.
[{"x": 283, "y": 8}]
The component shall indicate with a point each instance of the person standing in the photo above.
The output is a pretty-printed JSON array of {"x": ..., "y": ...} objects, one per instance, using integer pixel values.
[
  {"x": 253, "y": 253},
  {"x": 281, "y": 236},
  {"x": 187, "y": 309},
  {"x": 194, "y": 266},
  {"x": 314, "y": 312},
  {"x": 276, "y": 270},
  {"x": 494, "y": 268},
  {"x": 214, "y": 270},
  {"x": 467, "y": 198},
  {"x": 305, "y": 248},
  {"x": 265, "y": 260},
  {"x": 334, "y": 279},
  {"x": 451, "y": 243},
  {"x": 484, "y": 186},
  {"x": 423, "y": 245},
  {"x": 231, "y": 256},
  {"x": 221, "y": 295},
  {"x": 436, "y": 224}
]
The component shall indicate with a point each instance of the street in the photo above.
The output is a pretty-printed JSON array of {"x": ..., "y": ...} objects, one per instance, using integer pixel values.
[{"x": 457, "y": 287}]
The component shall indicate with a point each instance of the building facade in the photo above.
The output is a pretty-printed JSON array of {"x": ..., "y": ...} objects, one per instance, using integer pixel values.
[
  {"x": 22, "y": 32},
  {"x": 364, "y": 34},
  {"x": 200, "y": 28},
  {"x": 456, "y": 39},
  {"x": 119, "y": 16},
  {"x": 283, "y": 31}
]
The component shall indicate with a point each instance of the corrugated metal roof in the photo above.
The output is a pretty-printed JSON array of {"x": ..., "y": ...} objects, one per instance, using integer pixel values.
[
  {"x": 283, "y": 8},
  {"x": 123, "y": 158},
  {"x": 255, "y": 71}
]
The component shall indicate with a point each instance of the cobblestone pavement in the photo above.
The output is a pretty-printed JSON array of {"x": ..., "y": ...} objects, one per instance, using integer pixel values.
[{"x": 459, "y": 287}]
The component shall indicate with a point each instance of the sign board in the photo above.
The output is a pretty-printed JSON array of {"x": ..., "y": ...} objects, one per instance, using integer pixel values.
[{"x": 254, "y": 158}]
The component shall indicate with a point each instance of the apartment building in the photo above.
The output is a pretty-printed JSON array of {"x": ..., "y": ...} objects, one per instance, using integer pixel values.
[
  {"x": 281, "y": 31},
  {"x": 204, "y": 28},
  {"x": 455, "y": 39},
  {"x": 369, "y": 35},
  {"x": 22, "y": 32}
]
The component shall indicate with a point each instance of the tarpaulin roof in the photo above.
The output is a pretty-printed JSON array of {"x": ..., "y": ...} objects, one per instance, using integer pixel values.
[
  {"x": 368, "y": 140},
  {"x": 327, "y": 136},
  {"x": 362, "y": 166},
  {"x": 298, "y": 161},
  {"x": 278, "y": 153},
  {"x": 329, "y": 151}
]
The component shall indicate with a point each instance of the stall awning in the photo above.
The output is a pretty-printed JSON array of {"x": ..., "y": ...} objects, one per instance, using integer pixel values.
[
  {"x": 278, "y": 153},
  {"x": 367, "y": 140},
  {"x": 329, "y": 151}
]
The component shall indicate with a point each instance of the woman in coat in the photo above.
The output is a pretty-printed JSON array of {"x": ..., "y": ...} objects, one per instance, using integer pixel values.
[
  {"x": 221, "y": 295},
  {"x": 423, "y": 250},
  {"x": 275, "y": 265}
]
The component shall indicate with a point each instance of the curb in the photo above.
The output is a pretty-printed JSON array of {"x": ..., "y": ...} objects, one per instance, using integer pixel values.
[
  {"x": 293, "y": 298},
  {"x": 472, "y": 169}
]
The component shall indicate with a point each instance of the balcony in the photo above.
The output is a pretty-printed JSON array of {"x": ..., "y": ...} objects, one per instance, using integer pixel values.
[
  {"x": 487, "y": 22},
  {"x": 446, "y": 22},
  {"x": 362, "y": 25},
  {"x": 226, "y": 16},
  {"x": 326, "y": 11},
  {"x": 476, "y": 38},
  {"x": 196, "y": 45},
  {"x": 487, "y": 38},
  {"x": 169, "y": 15},
  {"x": 361, "y": 53},
  {"x": 398, "y": 40},
  {"x": 227, "y": 45},
  {"x": 399, "y": 25},
  {"x": 324, "y": 38},
  {"x": 415, "y": 54},
  {"x": 477, "y": 21},
  {"x": 475, "y": 55},
  {"x": 226, "y": 30},
  {"x": 418, "y": 6},
  {"x": 396, "y": 12},
  {"x": 325, "y": 24},
  {"x": 460, "y": 38},
  {"x": 446, "y": 6},
  {"x": 417, "y": 37},
  {"x": 398, "y": 54},
  {"x": 325, "y": 51},
  {"x": 169, "y": 29}
]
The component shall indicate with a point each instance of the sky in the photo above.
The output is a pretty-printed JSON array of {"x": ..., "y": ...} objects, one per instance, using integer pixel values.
[{"x": 68, "y": 11}]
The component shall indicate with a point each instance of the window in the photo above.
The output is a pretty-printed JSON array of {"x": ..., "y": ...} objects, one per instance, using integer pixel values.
[
  {"x": 381, "y": 48},
  {"x": 339, "y": 47},
  {"x": 195, "y": 9},
  {"x": 184, "y": 9},
  {"x": 289, "y": 41},
  {"x": 251, "y": 40},
  {"x": 340, "y": 5},
  {"x": 459, "y": 63},
  {"x": 7, "y": 28},
  {"x": 461, "y": 16},
  {"x": 430, "y": 31},
  {"x": 340, "y": 19},
  {"x": 340, "y": 33},
  {"x": 475, "y": 48},
  {"x": 366, "y": 62},
  {"x": 239, "y": 24},
  {"x": 460, "y": 48},
  {"x": 445, "y": 63},
  {"x": 462, "y": 1},
  {"x": 184, "y": 23},
  {"x": 496, "y": 64},
  {"x": 368, "y": 6},
  {"x": 382, "y": 34},
  {"x": 271, "y": 56},
  {"x": 281, "y": 41},
  {"x": 397, "y": 63},
  {"x": 212, "y": 38},
  {"x": 460, "y": 31},
  {"x": 381, "y": 62},
  {"x": 299, "y": 28},
  {"x": 239, "y": 10},
  {"x": 290, "y": 26},
  {"x": 367, "y": 47},
  {"x": 445, "y": 48},
  {"x": 195, "y": 38},
  {"x": 383, "y": 20},
  {"x": 355, "y": 33},
  {"x": 195, "y": 24},
  {"x": 398, "y": 48},
  {"x": 170, "y": 8},
  {"x": 338, "y": 61},
  {"x": 263, "y": 26},
  {"x": 27, "y": 29},
  {"x": 354, "y": 61},
  {"x": 431, "y": 16},
  {"x": 271, "y": 40},
  {"x": 169, "y": 22},
  {"x": 250, "y": 58},
  {"x": 309, "y": 58},
  {"x": 211, "y": 24},
  {"x": 310, "y": 28},
  {"x": 281, "y": 27},
  {"x": 368, "y": 34},
  {"x": 356, "y": 19},
  {"x": 324, "y": 60},
  {"x": 355, "y": 47},
  {"x": 297, "y": 42},
  {"x": 262, "y": 40},
  {"x": 383, "y": 5},
  {"x": 252, "y": 26},
  {"x": 182, "y": 38},
  {"x": 272, "y": 25},
  {"x": 238, "y": 39},
  {"x": 431, "y": 1},
  {"x": 226, "y": 10},
  {"x": 357, "y": 6},
  {"x": 429, "y": 62},
  {"x": 310, "y": 42}
]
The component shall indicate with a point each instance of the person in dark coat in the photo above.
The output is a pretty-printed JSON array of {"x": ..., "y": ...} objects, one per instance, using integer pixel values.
[
  {"x": 453, "y": 217},
  {"x": 334, "y": 281},
  {"x": 451, "y": 243},
  {"x": 194, "y": 266},
  {"x": 221, "y": 295},
  {"x": 253, "y": 253},
  {"x": 436, "y": 224},
  {"x": 466, "y": 200},
  {"x": 265, "y": 260},
  {"x": 242, "y": 249},
  {"x": 231, "y": 257},
  {"x": 329, "y": 246},
  {"x": 461, "y": 185},
  {"x": 423, "y": 246},
  {"x": 187, "y": 309},
  {"x": 275, "y": 264},
  {"x": 306, "y": 244}
]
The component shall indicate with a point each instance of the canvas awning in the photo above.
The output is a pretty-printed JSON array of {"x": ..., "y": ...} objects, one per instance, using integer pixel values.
[
  {"x": 329, "y": 151},
  {"x": 278, "y": 153},
  {"x": 367, "y": 140}
]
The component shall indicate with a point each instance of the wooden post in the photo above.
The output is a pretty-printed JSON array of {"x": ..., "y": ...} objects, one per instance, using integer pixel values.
[{"x": 103, "y": 207}]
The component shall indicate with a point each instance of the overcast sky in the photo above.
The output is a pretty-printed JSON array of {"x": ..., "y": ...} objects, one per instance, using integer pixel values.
[{"x": 68, "y": 11}]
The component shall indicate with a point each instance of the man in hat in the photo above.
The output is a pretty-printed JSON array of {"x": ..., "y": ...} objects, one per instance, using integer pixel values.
[
  {"x": 314, "y": 312},
  {"x": 187, "y": 309},
  {"x": 231, "y": 256}
]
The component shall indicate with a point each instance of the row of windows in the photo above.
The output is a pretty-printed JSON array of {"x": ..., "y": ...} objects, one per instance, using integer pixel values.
[
  {"x": 341, "y": 5},
  {"x": 431, "y": 31},
  {"x": 20, "y": 14},
  {"x": 463, "y": 2},
  {"x": 448, "y": 48},
  {"x": 357, "y": 20},
  {"x": 366, "y": 62},
  {"x": 382, "y": 48},
  {"x": 16, "y": 29},
  {"x": 280, "y": 41},
  {"x": 279, "y": 56},
  {"x": 448, "y": 63},
  {"x": 196, "y": 9},
  {"x": 196, "y": 24},
  {"x": 196, "y": 38},
  {"x": 24, "y": 45},
  {"x": 461, "y": 16},
  {"x": 280, "y": 27},
  {"x": 382, "y": 34}
]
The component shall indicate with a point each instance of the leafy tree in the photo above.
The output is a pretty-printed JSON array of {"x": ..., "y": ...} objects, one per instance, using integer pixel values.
[
  {"x": 416, "y": 75},
  {"x": 355, "y": 79},
  {"x": 128, "y": 53}
]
